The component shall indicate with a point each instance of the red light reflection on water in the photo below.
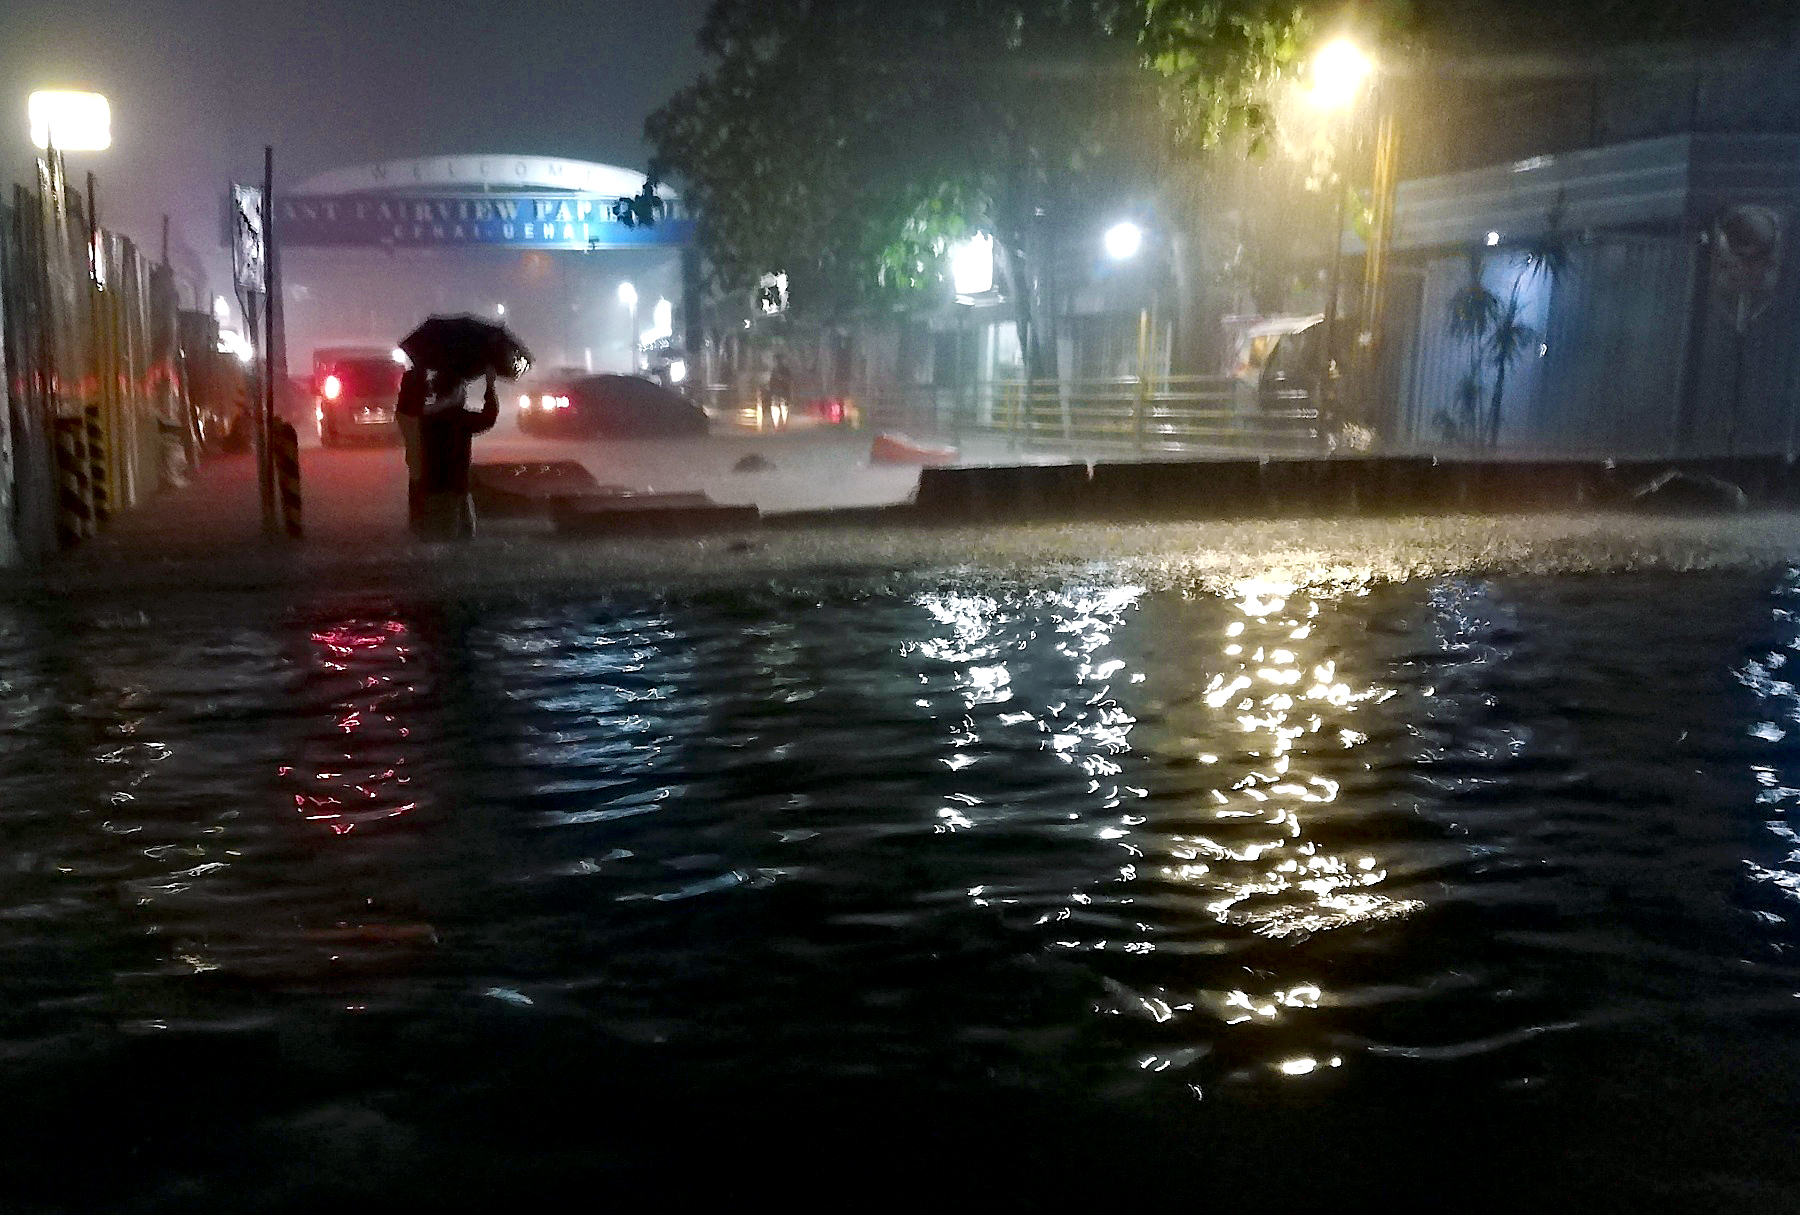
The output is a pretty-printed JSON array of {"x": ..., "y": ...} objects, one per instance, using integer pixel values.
[{"x": 354, "y": 769}]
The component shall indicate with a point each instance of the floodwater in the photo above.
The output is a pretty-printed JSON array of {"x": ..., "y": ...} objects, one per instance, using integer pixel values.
[{"x": 1440, "y": 892}]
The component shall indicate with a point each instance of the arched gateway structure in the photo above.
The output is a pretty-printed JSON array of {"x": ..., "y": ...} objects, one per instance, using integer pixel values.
[
  {"x": 370, "y": 249},
  {"x": 506, "y": 201}
]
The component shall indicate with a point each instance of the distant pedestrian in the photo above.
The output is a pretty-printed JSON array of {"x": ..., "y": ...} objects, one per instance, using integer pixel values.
[
  {"x": 780, "y": 391},
  {"x": 437, "y": 427}
]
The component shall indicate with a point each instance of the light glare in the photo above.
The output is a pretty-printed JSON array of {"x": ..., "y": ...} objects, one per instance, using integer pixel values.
[
  {"x": 1338, "y": 73},
  {"x": 1123, "y": 240},
  {"x": 72, "y": 121},
  {"x": 972, "y": 265}
]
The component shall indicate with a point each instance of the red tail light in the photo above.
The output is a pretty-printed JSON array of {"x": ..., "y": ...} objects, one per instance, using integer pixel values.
[{"x": 332, "y": 388}]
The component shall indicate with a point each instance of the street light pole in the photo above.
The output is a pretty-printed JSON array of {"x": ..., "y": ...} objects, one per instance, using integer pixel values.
[
  {"x": 1382, "y": 198},
  {"x": 1339, "y": 72},
  {"x": 629, "y": 297}
]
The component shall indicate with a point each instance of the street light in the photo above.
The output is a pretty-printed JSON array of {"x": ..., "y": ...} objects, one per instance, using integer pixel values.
[
  {"x": 70, "y": 121},
  {"x": 972, "y": 266},
  {"x": 1123, "y": 240},
  {"x": 628, "y": 296},
  {"x": 1338, "y": 72}
]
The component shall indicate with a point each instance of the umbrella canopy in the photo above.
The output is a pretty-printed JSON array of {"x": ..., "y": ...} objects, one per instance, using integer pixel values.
[{"x": 466, "y": 347}]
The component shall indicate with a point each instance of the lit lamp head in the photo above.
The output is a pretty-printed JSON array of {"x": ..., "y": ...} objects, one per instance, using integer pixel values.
[
  {"x": 628, "y": 295},
  {"x": 1123, "y": 240},
  {"x": 972, "y": 265},
  {"x": 1337, "y": 74},
  {"x": 70, "y": 121}
]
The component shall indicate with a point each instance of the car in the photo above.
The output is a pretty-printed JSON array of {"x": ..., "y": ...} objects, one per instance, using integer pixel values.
[
  {"x": 544, "y": 401},
  {"x": 1290, "y": 375},
  {"x": 614, "y": 406},
  {"x": 354, "y": 390}
]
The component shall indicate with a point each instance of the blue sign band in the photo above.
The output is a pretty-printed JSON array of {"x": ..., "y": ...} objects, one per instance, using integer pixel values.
[{"x": 528, "y": 221}]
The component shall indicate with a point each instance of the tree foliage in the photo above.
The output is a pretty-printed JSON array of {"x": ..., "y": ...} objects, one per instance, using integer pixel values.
[{"x": 850, "y": 142}]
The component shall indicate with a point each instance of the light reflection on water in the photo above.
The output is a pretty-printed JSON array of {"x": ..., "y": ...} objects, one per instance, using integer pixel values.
[
  {"x": 1084, "y": 835},
  {"x": 354, "y": 772},
  {"x": 1255, "y": 703}
]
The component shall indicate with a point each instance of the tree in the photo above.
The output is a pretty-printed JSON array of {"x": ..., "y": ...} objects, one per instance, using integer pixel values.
[
  {"x": 849, "y": 143},
  {"x": 1496, "y": 334}
]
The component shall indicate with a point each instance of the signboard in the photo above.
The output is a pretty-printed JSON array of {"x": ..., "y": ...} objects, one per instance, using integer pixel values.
[
  {"x": 529, "y": 221},
  {"x": 248, "y": 248}
]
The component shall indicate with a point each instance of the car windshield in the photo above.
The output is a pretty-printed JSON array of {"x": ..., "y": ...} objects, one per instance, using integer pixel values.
[{"x": 365, "y": 377}]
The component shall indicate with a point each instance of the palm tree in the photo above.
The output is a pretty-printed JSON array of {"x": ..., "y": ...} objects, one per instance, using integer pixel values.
[
  {"x": 1497, "y": 336},
  {"x": 1511, "y": 339},
  {"x": 1474, "y": 311}
]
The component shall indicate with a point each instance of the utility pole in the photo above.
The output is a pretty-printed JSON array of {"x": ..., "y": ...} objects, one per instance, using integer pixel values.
[
  {"x": 1382, "y": 197},
  {"x": 265, "y": 472}
]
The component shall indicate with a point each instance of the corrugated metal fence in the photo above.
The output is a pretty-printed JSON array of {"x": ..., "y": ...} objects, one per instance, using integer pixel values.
[
  {"x": 1121, "y": 416},
  {"x": 96, "y": 415},
  {"x": 1629, "y": 328}
]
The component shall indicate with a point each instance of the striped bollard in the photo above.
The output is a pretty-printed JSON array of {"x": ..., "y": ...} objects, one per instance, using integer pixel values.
[
  {"x": 99, "y": 495},
  {"x": 74, "y": 513},
  {"x": 287, "y": 477}
]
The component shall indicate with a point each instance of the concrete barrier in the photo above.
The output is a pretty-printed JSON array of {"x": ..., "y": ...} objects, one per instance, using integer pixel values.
[
  {"x": 1310, "y": 488},
  {"x": 647, "y": 515},
  {"x": 1400, "y": 485},
  {"x": 1216, "y": 489},
  {"x": 1005, "y": 491},
  {"x": 1325, "y": 487},
  {"x": 503, "y": 490},
  {"x": 1512, "y": 487}
]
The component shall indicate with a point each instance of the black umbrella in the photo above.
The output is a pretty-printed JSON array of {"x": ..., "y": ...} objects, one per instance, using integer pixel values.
[{"x": 466, "y": 347}]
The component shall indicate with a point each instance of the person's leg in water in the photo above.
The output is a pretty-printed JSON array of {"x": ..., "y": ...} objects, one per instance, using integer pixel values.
[
  {"x": 415, "y": 472},
  {"x": 445, "y": 516}
]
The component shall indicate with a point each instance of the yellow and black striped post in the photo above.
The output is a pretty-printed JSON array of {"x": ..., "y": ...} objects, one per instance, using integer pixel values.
[
  {"x": 99, "y": 490},
  {"x": 287, "y": 476},
  {"x": 74, "y": 506}
]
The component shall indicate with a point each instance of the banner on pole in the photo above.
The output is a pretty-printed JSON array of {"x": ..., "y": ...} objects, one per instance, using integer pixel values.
[{"x": 249, "y": 248}]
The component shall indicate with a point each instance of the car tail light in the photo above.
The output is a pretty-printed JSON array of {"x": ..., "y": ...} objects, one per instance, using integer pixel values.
[
  {"x": 834, "y": 411},
  {"x": 333, "y": 388}
]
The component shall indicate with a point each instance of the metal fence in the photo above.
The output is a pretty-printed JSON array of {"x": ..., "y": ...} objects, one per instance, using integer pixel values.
[
  {"x": 96, "y": 412},
  {"x": 1106, "y": 418},
  {"x": 1164, "y": 415}
]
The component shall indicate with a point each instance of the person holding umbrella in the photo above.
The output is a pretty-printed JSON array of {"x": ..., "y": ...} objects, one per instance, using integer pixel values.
[
  {"x": 446, "y": 354},
  {"x": 437, "y": 427}
]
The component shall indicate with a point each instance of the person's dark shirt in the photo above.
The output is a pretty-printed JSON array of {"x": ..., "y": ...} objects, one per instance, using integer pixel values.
[{"x": 445, "y": 435}]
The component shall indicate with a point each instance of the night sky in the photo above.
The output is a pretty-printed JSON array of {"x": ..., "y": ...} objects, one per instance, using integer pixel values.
[{"x": 199, "y": 86}]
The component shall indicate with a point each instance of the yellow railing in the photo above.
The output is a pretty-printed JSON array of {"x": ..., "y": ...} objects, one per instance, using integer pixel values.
[{"x": 1169, "y": 414}]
